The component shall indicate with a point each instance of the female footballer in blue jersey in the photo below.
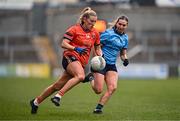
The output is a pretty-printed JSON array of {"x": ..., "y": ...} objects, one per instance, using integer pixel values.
[{"x": 114, "y": 41}]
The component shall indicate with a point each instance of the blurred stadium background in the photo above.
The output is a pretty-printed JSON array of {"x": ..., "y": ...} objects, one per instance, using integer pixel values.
[{"x": 30, "y": 31}]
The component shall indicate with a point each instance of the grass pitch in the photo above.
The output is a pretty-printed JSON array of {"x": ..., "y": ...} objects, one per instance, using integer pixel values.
[{"x": 133, "y": 100}]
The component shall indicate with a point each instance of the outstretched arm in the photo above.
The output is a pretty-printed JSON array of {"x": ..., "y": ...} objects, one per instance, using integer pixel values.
[{"x": 124, "y": 58}]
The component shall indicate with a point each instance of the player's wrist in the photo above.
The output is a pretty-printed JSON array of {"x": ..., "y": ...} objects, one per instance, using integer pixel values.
[
  {"x": 125, "y": 59},
  {"x": 74, "y": 48}
]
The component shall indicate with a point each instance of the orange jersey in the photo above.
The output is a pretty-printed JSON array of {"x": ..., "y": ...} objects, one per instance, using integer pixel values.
[{"x": 80, "y": 38}]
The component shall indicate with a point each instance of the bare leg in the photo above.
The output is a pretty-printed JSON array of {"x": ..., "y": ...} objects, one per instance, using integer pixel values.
[
  {"x": 76, "y": 70},
  {"x": 111, "y": 82},
  {"x": 48, "y": 91},
  {"x": 98, "y": 83},
  {"x": 54, "y": 87},
  {"x": 111, "y": 78}
]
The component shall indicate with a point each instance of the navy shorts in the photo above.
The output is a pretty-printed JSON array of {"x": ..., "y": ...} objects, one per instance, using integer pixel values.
[
  {"x": 68, "y": 59},
  {"x": 109, "y": 67}
]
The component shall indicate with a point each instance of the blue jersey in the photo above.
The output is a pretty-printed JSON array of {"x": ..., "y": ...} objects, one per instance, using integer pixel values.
[{"x": 113, "y": 43}]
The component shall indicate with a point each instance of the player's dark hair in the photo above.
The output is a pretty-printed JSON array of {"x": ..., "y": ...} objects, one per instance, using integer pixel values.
[{"x": 122, "y": 17}]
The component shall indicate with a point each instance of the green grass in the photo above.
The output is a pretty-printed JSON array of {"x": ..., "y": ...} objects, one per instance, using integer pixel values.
[{"x": 133, "y": 100}]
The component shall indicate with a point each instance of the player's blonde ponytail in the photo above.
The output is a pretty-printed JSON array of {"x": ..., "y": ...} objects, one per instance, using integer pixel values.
[
  {"x": 86, "y": 12},
  {"x": 85, "y": 9}
]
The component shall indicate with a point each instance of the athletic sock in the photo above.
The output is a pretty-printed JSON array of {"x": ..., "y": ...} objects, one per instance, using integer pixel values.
[
  {"x": 36, "y": 102},
  {"x": 59, "y": 94}
]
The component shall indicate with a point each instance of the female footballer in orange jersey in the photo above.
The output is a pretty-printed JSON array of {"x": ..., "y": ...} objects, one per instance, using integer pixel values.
[{"x": 77, "y": 42}]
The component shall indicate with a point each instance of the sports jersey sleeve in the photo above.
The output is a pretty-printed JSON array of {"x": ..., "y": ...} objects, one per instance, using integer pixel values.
[
  {"x": 104, "y": 36},
  {"x": 70, "y": 33},
  {"x": 126, "y": 42}
]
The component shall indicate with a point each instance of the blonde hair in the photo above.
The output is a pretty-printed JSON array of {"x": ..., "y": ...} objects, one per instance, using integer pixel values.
[
  {"x": 86, "y": 12},
  {"x": 122, "y": 17}
]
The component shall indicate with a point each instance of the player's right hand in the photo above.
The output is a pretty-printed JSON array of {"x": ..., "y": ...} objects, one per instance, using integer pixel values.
[
  {"x": 80, "y": 50},
  {"x": 126, "y": 62}
]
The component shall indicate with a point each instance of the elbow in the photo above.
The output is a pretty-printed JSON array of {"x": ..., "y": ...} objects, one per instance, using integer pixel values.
[{"x": 63, "y": 44}]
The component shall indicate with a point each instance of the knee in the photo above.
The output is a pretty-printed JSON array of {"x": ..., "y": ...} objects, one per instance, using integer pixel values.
[
  {"x": 98, "y": 90},
  {"x": 81, "y": 77},
  {"x": 112, "y": 88}
]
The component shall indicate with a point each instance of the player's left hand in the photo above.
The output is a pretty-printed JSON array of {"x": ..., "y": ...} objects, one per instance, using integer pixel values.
[{"x": 126, "y": 62}]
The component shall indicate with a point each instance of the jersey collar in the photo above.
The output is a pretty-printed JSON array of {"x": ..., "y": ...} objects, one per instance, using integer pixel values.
[{"x": 114, "y": 28}]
